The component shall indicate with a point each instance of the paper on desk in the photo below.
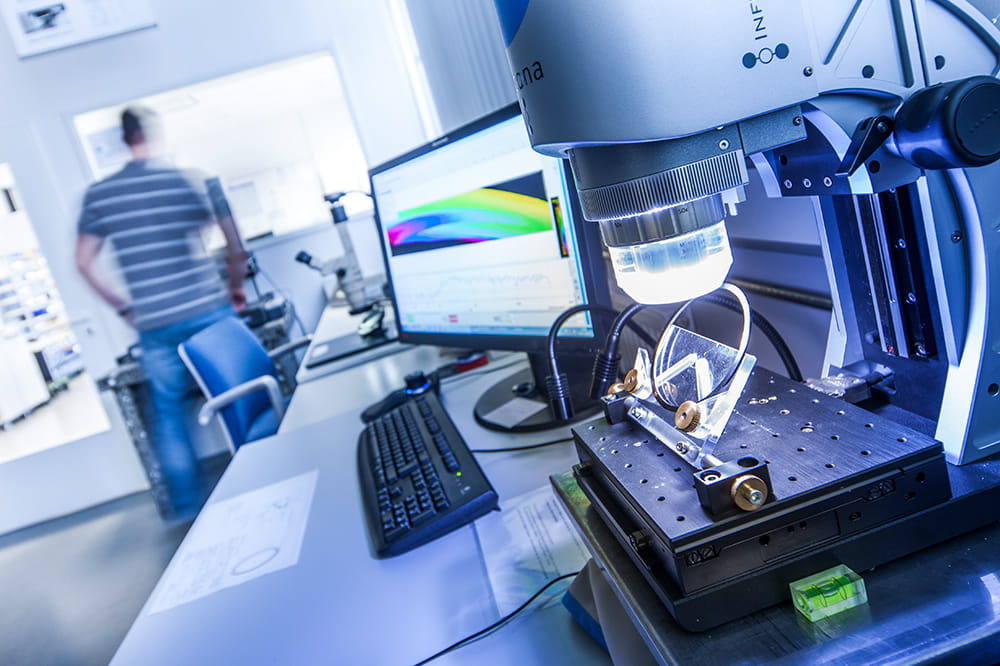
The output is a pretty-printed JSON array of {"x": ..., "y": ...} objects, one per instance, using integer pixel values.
[
  {"x": 527, "y": 544},
  {"x": 514, "y": 411},
  {"x": 237, "y": 540}
]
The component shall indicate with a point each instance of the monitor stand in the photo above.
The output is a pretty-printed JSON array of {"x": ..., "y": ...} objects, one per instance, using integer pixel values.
[{"x": 500, "y": 406}]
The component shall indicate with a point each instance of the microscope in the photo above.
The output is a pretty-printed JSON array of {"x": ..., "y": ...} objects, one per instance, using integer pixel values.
[
  {"x": 722, "y": 481},
  {"x": 347, "y": 271}
]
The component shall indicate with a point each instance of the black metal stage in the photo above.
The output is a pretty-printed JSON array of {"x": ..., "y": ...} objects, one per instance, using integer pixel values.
[{"x": 848, "y": 487}]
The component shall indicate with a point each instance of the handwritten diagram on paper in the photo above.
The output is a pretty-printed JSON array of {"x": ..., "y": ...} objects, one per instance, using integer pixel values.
[{"x": 237, "y": 540}]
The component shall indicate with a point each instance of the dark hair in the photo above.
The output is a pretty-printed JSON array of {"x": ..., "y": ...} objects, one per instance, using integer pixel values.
[{"x": 132, "y": 122}]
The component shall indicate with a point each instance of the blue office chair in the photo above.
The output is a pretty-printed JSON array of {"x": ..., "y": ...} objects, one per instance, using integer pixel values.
[{"x": 237, "y": 376}]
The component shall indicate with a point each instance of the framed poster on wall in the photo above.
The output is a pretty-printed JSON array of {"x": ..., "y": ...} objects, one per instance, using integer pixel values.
[{"x": 37, "y": 26}]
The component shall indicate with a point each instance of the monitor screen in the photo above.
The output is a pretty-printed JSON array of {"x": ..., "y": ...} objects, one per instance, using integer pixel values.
[{"x": 484, "y": 241}]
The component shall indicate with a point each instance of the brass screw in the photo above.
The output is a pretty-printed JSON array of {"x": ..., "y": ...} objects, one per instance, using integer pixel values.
[{"x": 688, "y": 416}]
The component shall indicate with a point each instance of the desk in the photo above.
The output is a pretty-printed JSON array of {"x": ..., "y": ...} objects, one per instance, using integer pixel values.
[
  {"x": 335, "y": 322},
  {"x": 943, "y": 600},
  {"x": 338, "y": 604}
]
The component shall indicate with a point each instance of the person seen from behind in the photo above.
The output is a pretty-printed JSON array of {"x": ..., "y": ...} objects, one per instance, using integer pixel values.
[{"x": 151, "y": 217}]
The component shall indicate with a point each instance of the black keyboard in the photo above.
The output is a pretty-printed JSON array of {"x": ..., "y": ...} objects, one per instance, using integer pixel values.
[{"x": 418, "y": 479}]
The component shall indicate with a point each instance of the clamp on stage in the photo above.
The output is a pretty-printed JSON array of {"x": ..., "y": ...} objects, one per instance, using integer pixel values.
[{"x": 685, "y": 398}]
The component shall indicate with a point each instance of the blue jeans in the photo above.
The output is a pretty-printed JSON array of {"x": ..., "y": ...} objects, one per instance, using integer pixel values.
[{"x": 173, "y": 390}]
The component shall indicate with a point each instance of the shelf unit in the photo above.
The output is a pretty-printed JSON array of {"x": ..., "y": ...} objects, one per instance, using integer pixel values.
[{"x": 31, "y": 310}]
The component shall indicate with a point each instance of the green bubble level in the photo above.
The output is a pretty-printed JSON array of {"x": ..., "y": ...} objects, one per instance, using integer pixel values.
[{"x": 828, "y": 593}]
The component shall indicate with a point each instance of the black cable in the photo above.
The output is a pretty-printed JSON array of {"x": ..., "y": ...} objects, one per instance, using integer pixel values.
[
  {"x": 625, "y": 316},
  {"x": 557, "y": 384},
  {"x": 606, "y": 363},
  {"x": 768, "y": 329},
  {"x": 602, "y": 309},
  {"x": 642, "y": 333},
  {"x": 806, "y": 297},
  {"x": 558, "y": 324},
  {"x": 502, "y": 621},
  {"x": 523, "y": 448}
]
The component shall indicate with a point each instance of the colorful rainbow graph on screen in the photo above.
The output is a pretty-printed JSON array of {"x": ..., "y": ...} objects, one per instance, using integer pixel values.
[{"x": 505, "y": 210}]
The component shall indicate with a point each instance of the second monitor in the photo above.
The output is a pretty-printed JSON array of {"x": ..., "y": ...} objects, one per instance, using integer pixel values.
[{"x": 485, "y": 246}]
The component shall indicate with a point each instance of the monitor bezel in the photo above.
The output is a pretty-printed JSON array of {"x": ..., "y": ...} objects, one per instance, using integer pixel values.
[{"x": 593, "y": 267}]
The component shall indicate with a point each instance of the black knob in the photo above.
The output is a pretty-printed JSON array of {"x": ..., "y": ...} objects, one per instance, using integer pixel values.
[{"x": 951, "y": 125}]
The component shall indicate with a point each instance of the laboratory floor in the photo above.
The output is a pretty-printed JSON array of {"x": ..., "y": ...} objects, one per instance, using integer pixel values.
[{"x": 71, "y": 587}]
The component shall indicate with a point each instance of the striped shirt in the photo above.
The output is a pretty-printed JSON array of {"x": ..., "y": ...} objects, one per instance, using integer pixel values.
[{"x": 153, "y": 217}]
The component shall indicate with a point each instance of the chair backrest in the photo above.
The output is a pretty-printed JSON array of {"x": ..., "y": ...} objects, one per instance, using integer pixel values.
[{"x": 225, "y": 355}]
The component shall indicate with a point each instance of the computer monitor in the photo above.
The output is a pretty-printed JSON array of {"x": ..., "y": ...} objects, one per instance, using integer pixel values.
[{"x": 485, "y": 246}]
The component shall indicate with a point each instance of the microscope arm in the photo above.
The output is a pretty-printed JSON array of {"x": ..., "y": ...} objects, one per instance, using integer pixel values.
[{"x": 349, "y": 278}]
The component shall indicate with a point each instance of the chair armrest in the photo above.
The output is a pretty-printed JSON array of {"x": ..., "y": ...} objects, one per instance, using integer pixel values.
[
  {"x": 266, "y": 383},
  {"x": 281, "y": 350}
]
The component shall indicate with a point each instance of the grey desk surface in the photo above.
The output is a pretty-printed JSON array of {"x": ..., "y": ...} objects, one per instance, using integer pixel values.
[
  {"x": 335, "y": 323},
  {"x": 338, "y": 604}
]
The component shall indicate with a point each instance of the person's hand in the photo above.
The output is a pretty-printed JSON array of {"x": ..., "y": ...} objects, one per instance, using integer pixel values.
[
  {"x": 239, "y": 298},
  {"x": 125, "y": 312}
]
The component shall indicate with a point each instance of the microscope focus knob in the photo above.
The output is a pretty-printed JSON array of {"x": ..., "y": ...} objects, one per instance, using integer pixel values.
[{"x": 951, "y": 125}]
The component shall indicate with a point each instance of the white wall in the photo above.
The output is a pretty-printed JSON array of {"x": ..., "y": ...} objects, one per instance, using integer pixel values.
[
  {"x": 193, "y": 41},
  {"x": 468, "y": 72}
]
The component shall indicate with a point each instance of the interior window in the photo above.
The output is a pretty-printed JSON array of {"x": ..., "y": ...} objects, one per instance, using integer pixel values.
[{"x": 277, "y": 137}]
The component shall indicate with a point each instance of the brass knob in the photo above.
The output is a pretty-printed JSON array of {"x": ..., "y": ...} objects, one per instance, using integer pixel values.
[
  {"x": 749, "y": 492},
  {"x": 617, "y": 387},
  {"x": 688, "y": 416},
  {"x": 632, "y": 380}
]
